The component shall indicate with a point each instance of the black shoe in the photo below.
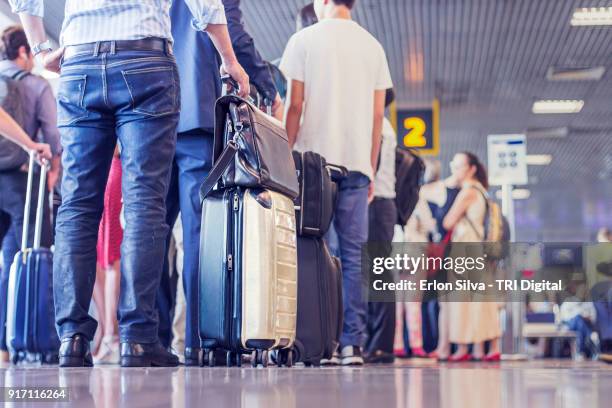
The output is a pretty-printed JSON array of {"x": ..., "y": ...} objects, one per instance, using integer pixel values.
[
  {"x": 146, "y": 355},
  {"x": 74, "y": 352},
  {"x": 193, "y": 356},
  {"x": 379, "y": 357}
]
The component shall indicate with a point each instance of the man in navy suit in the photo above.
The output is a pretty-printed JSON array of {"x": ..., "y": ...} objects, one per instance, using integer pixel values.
[{"x": 198, "y": 65}]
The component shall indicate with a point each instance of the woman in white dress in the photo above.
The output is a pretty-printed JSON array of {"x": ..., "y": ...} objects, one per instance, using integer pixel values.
[{"x": 477, "y": 321}]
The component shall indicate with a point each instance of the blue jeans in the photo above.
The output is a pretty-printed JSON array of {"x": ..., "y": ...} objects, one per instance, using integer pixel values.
[
  {"x": 132, "y": 97},
  {"x": 583, "y": 331},
  {"x": 346, "y": 237},
  {"x": 192, "y": 162}
]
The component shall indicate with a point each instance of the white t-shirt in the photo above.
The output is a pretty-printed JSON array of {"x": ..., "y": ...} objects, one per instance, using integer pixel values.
[
  {"x": 384, "y": 181},
  {"x": 341, "y": 65}
]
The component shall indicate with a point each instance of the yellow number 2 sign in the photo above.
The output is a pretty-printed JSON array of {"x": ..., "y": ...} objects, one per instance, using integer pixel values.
[
  {"x": 418, "y": 129},
  {"x": 416, "y": 132}
]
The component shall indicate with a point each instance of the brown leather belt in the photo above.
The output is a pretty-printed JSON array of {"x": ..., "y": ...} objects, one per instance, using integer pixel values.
[{"x": 146, "y": 44}]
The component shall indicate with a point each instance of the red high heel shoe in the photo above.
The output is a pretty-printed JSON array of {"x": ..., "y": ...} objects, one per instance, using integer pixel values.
[
  {"x": 460, "y": 359},
  {"x": 400, "y": 353},
  {"x": 493, "y": 358},
  {"x": 419, "y": 352}
]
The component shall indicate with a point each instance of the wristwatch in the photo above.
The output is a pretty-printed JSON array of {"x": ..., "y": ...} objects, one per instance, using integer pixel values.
[{"x": 43, "y": 46}]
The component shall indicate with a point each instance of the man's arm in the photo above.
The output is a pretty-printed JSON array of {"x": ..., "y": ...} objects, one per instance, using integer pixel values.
[
  {"x": 229, "y": 63},
  {"x": 209, "y": 16},
  {"x": 31, "y": 13},
  {"x": 379, "y": 115},
  {"x": 249, "y": 57},
  {"x": 294, "y": 110},
  {"x": 11, "y": 130}
]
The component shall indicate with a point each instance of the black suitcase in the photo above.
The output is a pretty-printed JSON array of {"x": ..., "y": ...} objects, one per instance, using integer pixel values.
[
  {"x": 320, "y": 310},
  {"x": 314, "y": 207}
]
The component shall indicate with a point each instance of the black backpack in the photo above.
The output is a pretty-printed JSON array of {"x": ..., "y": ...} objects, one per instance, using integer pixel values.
[
  {"x": 409, "y": 170},
  {"x": 12, "y": 156}
]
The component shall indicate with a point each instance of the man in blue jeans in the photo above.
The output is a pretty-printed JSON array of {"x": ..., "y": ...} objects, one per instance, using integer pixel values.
[
  {"x": 119, "y": 81},
  {"x": 198, "y": 64},
  {"x": 339, "y": 75}
]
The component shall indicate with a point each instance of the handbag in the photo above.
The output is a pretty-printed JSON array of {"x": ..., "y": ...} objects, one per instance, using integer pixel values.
[
  {"x": 438, "y": 250},
  {"x": 251, "y": 150}
]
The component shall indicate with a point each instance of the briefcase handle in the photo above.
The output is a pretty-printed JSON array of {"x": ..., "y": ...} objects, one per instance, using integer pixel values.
[
  {"x": 39, "y": 205},
  {"x": 230, "y": 86}
]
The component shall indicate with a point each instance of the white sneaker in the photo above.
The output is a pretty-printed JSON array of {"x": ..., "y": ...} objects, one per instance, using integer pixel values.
[
  {"x": 351, "y": 356},
  {"x": 334, "y": 361},
  {"x": 109, "y": 351}
]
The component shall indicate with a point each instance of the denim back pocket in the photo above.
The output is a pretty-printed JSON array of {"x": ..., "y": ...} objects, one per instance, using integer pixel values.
[
  {"x": 153, "y": 91},
  {"x": 70, "y": 95}
]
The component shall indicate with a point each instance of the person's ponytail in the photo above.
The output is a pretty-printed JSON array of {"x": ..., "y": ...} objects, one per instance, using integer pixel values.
[{"x": 481, "y": 171}]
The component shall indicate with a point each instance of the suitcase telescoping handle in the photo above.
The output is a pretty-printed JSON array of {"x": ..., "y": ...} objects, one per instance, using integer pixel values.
[
  {"x": 39, "y": 205},
  {"x": 337, "y": 172}
]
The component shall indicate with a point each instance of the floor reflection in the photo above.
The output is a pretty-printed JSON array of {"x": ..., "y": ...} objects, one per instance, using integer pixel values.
[{"x": 535, "y": 384}]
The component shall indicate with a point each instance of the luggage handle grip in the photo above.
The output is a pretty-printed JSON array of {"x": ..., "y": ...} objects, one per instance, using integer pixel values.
[
  {"x": 337, "y": 172},
  {"x": 229, "y": 85},
  {"x": 28, "y": 203}
]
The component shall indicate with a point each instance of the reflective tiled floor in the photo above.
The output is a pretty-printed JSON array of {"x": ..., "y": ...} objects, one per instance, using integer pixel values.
[{"x": 406, "y": 384}]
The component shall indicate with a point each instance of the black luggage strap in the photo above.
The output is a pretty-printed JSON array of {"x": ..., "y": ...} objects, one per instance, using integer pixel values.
[{"x": 222, "y": 164}]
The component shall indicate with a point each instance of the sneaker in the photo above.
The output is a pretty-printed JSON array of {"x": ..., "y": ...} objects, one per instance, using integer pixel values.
[
  {"x": 109, "y": 351},
  {"x": 334, "y": 361},
  {"x": 351, "y": 356}
]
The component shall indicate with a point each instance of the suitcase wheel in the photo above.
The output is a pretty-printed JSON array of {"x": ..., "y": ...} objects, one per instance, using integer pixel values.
[
  {"x": 258, "y": 357},
  {"x": 263, "y": 359},
  {"x": 289, "y": 358},
  {"x": 208, "y": 359},
  {"x": 283, "y": 357},
  {"x": 233, "y": 359},
  {"x": 238, "y": 359}
]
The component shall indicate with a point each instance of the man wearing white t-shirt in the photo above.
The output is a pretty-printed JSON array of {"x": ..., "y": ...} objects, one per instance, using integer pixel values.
[{"x": 339, "y": 74}]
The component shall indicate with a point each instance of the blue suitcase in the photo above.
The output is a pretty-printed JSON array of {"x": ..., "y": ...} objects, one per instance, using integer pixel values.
[{"x": 31, "y": 319}]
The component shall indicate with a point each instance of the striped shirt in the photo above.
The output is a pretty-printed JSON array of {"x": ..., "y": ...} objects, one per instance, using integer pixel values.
[{"x": 88, "y": 21}]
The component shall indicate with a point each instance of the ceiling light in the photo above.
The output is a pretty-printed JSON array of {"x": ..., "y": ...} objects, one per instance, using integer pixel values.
[
  {"x": 592, "y": 16},
  {"x": 548, "y": 132},
  {"x": 517, "y": 194},
  {"x": 557, "y": 106},
  {"x": 538, "y": 159},
  {"x": 575, "y": 74}
]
